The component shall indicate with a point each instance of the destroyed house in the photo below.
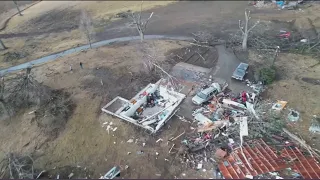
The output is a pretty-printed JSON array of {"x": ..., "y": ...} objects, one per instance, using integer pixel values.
[{"x": 150, "y": 109}]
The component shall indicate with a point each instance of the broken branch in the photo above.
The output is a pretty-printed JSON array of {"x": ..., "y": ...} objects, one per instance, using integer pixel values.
[
  {"x": 254, "y": 25},
  {"x": 201, "y": 56},
  {"x": 171, "y": 148},
  {"x": 241, "y": 28},
  {"x": 178, "y": 136}
]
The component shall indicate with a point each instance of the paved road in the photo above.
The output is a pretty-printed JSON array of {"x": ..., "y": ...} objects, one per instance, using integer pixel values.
[
  {"x": 85, "y": 47},
  {"x": 180, "y": 19}
]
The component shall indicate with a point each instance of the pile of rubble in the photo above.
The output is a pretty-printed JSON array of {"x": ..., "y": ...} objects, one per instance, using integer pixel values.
[{"x": 223, "y": 126}]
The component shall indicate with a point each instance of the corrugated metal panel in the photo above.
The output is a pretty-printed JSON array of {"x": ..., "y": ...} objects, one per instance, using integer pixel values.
[{"x": 263, "y": 159}]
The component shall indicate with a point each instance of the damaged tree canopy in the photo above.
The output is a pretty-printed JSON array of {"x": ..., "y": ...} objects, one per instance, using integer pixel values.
[
  {"x": 15, "y": 166},
  {"x": 53, "y": 107},
  {"x": 27, "y": 92}
]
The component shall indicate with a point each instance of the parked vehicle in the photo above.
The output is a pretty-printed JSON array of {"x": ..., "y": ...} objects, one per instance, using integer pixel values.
[
  {"x": 206, "y": 94},
  {"x": 240, "y": 71}
]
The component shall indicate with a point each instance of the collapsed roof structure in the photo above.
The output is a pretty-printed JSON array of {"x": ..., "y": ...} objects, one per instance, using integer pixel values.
[
  {"x": 263, "y": 159},
  {"x": 150, "y": 109}
]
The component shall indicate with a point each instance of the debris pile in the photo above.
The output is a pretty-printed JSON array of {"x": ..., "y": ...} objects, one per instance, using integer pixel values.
[
  {"x": 315, "y": 125},
  {"x": 234, "y": 132},
  {"x": 150, "y": 109}
]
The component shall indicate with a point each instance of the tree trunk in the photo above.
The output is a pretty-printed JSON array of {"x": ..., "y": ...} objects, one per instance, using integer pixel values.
[
  {"x": 90, "y": 42},
  {"x": 275, "y": 56},
  {"x": 89, "y": 39},
  {"x": 2, "y": 45},
  {"x": 244, "y": 41},
  {"x": 17, "y": 7},
  {"x": 141, "y": 36}
]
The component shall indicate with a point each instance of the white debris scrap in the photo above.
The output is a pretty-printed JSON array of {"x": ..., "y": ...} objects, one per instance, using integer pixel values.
[{"x": 130, "y": 141}]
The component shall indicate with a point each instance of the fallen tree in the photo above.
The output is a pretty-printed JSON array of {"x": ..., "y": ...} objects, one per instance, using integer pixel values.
[
  {"x": 53, "y": 107},
  {"x": 16, "y": 166}
]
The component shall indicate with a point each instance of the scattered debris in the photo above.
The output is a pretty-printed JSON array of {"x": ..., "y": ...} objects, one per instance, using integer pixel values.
[
  {"x": 139, "y": 152},
  {"x": 115, "y": 171},
  {"x": 39, "y": 175},
  {"x": 279, "y": 105},
  {"x": 315, "y": 125},
  {"x": 199, "y": 166},
  {"x": 159, "y": 140},
  {"x": 171, "y": 148},
  {"x": 70, "y": 175},
  {"x": 130, "y": 141},
  {"x": 178, "y": 136},
  {"x": 293, "y": 115},
  {"x": 220, "y": 153}
]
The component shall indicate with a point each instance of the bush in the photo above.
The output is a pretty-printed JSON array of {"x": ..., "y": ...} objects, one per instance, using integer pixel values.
[{"x": 267, "y": 75}]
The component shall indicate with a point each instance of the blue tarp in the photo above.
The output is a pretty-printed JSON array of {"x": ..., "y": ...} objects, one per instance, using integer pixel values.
[{"x": 280, "y": 3}]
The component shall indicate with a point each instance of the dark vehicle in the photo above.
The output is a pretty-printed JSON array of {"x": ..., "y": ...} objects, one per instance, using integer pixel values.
[{"x": 240, "y": 71}]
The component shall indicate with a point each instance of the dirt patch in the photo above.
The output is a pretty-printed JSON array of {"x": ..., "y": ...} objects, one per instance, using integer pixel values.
[
  {"x": 306, "y": 28},
  {"x": 196, "y": 55},
  {"x": 102, "y": 82}
]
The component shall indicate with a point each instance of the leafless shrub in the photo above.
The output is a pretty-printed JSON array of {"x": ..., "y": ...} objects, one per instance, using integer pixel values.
[{"x": 54, "y": 113}]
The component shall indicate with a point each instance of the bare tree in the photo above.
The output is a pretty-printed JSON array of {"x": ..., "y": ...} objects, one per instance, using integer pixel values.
[
  {"x": 15, "y": 2},
  {"x": 2, "y": 46},
  {"x": 86, "y": 26},
  {"x": 141, "y": 25},
  {"x": 245, "y": 31}
]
